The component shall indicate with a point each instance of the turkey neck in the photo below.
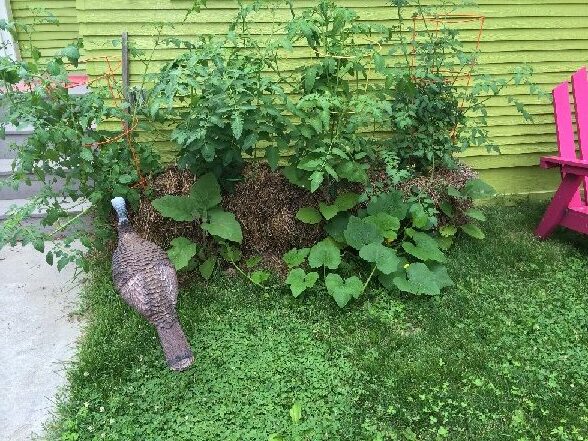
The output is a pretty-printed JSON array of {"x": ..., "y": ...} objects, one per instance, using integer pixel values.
[{"x": 124, "y": 228}]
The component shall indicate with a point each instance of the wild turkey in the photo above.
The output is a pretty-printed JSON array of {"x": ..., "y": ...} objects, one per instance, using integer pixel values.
[{"x": 147, "y": 281}]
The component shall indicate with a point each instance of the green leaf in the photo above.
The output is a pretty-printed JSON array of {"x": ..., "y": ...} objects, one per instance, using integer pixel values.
[
  {"x": 474, "y": 213},
  {"x": 181, "y": 252},
  {"x": 49, "y": 258},
  {"x": 454, "y": 192},
  {"x": 72, "y": 53},
  {"x": 206, "y": 268},
  {"x": 310, "y": 163},
  {"x": 424, "y": 247},
  {"x": 447, "y": 209},
  {"x": 325, "y": 253},
  {"x": 309, "y": 78},
  {"x": 419, "y": 279},
  {"x": 230, "y": 254},
  {"x": 316, "y": 179},
  {"x": 35, "y": 54},
  {"x": 205, "y": 193},
  {"x": 54, "y": 67},
  {"x": 296, "y": 412},
  {"x": 237, "y": 125},
  {"x": 390, "y": 202},
  {"x": 478, "y": 189},
  {"x": 387, "y": 224},
  {"x": 125, "y": 178},
  {"x": 352, "y": 171},
  {"x": 272, "y": 156},
  {"x": 295, "y": 177},
  {"x": 473, "y": 230},
  {"x": 328, "y": 211},
  {"x": 299, "y": 281},
  {"x": 295, "y": 257},
  {"x": 346, "y": 201},
  {"x": 343, "y": 291},
  {"x": 309, "y": 215},
  {"x": 61, "y": 263},
  {"x": 336, "y": 227},
  {"x": 441, "y": 276},
  {"x": 253, "y": 262},
  {"x": 343, "y": 202},
  {"x": 360, "y": 233},
  {"x": 39, "y": 244},
  {"x": 178, "y": 208},
  {"x": 223, "y": 224},
  {"x": 208, "y": 151},
  {"x": 154, "y": 108},
  {"x": 259, "y": 277},
  {"x": 448, "y": 230},
  {"x": 445, "y": 242},
  {"x": 385, "y": 259},
  {"x": 419, "y": 216},
  {"x": 86, "y": 154}
]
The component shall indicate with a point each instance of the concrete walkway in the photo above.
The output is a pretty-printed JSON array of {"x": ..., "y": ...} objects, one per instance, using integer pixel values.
[{"x": 37, "y": 338}]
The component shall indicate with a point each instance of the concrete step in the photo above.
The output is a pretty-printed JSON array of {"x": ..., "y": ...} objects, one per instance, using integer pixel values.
[
  {"x": 73, "y": 208},
  {"x": 13, "y": 136},
  {"x": 22, "y": 190},
  {"x": 5, "y": 167},
  {"x": 68, "y": 205},
  {"x": 18, "y": 135}
]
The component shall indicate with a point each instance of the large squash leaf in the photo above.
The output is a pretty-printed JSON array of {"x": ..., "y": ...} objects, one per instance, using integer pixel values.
[{"x": 223, "y": 224}]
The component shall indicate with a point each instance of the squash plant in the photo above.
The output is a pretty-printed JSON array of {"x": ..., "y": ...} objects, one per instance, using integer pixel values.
[
  {"x": 200, "y": 205},
  {"x": 465, "y": 220},
  {"x": 394, "y": 237}
]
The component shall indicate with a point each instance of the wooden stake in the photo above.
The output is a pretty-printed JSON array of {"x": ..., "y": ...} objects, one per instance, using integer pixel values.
[{"x": 125, "y": 65}]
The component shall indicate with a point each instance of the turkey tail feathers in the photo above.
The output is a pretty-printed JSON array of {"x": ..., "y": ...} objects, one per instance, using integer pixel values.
[{"x": 175, "y": 347}]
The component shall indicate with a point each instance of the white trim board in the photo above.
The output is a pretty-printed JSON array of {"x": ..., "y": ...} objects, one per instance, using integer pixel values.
[{"x": 8, "y": 46}]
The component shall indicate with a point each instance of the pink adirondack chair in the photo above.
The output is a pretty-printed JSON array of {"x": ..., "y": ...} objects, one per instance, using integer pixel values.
[{"x": 569, "y": 208}]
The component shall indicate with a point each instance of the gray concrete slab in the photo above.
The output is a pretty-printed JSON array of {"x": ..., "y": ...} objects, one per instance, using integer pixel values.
[{"x": 38, "y": 334}]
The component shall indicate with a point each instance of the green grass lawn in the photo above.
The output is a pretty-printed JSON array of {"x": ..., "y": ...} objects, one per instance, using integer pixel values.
[{"x": 503, "y": 355}]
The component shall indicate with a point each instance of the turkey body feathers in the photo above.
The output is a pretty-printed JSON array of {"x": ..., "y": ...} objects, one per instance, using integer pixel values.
[
  {"x": 145, "y": 278},
  {"x": 147, "y": 281}
]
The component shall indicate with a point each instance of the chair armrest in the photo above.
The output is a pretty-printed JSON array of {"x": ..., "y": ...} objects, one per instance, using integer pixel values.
[{"x": 556, "y": 161}]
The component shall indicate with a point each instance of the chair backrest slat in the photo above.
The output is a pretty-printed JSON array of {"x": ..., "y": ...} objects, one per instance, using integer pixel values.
[
  {"x": 580, "y": 87},
  {"x": 563, "y": 122}
]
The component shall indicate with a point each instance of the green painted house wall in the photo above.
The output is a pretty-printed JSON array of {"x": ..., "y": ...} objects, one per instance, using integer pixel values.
[
  {"x": 550, "y": 35},
  {"x": 47, "y": 37}
]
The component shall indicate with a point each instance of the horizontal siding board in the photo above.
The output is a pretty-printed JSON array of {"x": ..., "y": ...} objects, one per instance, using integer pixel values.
[
  {"x": 146, "y": 42},
  {"x": 48, "y": 37},
  {"x": 484, "y": 6},
  {"x": 521, "y": 180},
  {"x": 91, "y": 29},
  {"x": 225, "y": 16}
]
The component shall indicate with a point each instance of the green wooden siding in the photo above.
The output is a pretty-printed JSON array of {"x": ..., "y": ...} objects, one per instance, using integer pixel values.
[
  {"x": 47, "y": 37},
  {"x": 551, "y": 35}
]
